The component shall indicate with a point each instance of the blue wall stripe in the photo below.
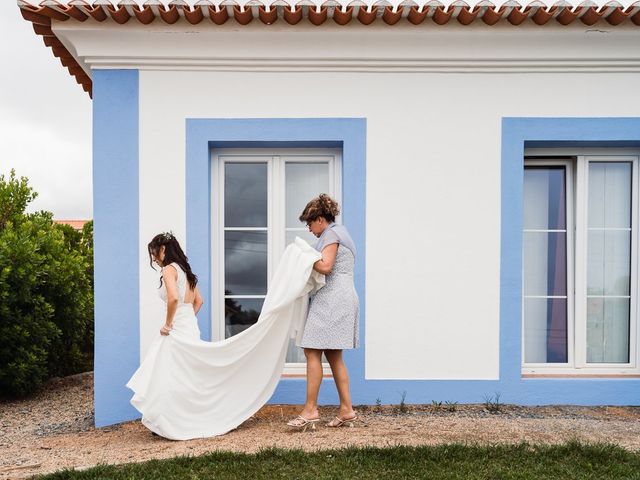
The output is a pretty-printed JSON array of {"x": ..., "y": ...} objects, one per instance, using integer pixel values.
[{"x": 116, "y": 245}]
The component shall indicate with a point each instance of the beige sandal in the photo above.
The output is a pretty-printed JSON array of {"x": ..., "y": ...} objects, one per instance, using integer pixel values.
[
  {"x": 338, "y": 422},
  {"x": 302, "y": 423}
]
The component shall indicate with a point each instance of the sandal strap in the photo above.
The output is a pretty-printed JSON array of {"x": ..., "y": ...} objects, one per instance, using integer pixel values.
[
  {"x": 337, "y": 421},
  {"x": 300, "y": 421}
]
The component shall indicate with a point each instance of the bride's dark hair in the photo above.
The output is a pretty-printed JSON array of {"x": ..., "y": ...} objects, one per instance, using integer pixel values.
[{"x": 172, "y": 254}]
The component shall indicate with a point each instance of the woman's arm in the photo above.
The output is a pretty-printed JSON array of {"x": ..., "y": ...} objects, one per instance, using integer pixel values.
[
  {"x": 170, "y": 279},
  {"x": 325, "y": 264},
  {"x": 197, "y": 301}
]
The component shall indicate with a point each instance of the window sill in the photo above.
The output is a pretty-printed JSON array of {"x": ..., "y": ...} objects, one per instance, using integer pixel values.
[
  {"x": 299, "y": 370},
  {"x": 303, "y": 375},
  {"x": 579, "y": 375}
]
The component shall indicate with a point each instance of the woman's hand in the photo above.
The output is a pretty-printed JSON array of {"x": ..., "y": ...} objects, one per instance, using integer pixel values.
[{"x": 164, "y": 331}]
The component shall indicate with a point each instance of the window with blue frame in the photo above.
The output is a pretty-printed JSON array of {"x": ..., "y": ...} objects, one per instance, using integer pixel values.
[{"x": 579, "y": 262}]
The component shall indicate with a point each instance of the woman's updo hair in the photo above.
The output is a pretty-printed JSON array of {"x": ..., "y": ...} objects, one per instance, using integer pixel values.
[{"x": 322, "y": 206}]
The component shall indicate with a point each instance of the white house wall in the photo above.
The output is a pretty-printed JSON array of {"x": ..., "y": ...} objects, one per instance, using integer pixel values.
[
  {"x": 433, "y": 190},
  {"x": 162, "y": 203},
  {"x": 433, "y": 99}
]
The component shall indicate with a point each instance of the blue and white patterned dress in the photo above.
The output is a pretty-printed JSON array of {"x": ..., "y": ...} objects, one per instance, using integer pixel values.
[{"x": 333, "y": 319}]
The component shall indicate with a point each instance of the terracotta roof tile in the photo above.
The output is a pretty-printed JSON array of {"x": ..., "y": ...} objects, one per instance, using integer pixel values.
[
  {"x": 41, "y": 15},
  {"x": 76, "y": 224}
]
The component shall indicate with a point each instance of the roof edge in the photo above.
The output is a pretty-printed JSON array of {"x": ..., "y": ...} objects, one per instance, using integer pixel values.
[{"x": 484, "y": 12}]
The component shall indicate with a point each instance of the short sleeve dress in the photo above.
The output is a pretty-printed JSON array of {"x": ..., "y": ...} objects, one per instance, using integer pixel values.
[{"x": 333, "y": 319}]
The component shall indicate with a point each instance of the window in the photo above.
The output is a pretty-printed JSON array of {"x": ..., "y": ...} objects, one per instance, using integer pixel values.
[
  {"x": 260, "y": 195},
  {"x": 579, "y": 264}
]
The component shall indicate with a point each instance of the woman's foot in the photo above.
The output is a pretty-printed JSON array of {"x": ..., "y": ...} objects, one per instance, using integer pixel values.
[
  {"x": 346, "y": 420},
  {"x": 302, "y": 423}
]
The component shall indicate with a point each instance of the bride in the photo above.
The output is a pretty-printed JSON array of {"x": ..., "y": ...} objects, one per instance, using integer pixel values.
[
  {"x": 180, "y": 294},
  {"x": 190, "y": 388}
]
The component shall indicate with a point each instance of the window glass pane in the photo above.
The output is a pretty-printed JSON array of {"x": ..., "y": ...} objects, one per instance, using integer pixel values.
[
  {"x": 544, "y": 198},
  {"x": 545, "y": 330},
  {"x": 607, "y": 330},
  {"x": 245, "y": 194},
  {"x": 240, "y": 314},
  {"x": 545, "y": 263},
  {"x": 245, "y": 263},
  {"x": 609, "y": 194},
  {"x": 295, "y": 354},
  {"x": 306, "y": 235},
  {"x": 608, "y": 262},
  {"x": 303, "y": 181}
]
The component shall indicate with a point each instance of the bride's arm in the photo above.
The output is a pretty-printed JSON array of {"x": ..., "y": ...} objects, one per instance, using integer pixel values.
[{"x": 170, "y": 279}]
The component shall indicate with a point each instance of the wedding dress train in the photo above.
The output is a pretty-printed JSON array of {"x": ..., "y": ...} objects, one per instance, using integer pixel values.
[{"x": 189, "y": 388}]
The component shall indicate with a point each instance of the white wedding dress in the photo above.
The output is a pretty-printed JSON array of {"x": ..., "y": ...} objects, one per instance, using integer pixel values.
[{"x": 189, "y": 388}]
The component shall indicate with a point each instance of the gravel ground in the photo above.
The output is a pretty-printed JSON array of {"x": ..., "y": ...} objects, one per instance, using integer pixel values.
[{"x": 54, "y": 430}]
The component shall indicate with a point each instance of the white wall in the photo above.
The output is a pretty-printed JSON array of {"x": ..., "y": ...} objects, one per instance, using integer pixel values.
[
  {"x": 433, "y": 189},
  {"x": 433, "y": 151},
  {"x": 162, "y": 201}
]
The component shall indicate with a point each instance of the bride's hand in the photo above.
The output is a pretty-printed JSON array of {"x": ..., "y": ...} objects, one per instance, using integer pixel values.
[{"x": 165, "y": 330}]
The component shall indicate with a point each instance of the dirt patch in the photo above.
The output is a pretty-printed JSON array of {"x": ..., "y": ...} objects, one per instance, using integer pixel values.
[{"x": 54, "y": 430}]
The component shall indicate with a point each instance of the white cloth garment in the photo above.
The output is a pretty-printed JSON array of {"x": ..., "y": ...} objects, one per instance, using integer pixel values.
[{"x": 189, "y": 388}]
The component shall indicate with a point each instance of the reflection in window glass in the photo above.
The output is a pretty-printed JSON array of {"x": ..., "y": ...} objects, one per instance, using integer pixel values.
[
  {"x": 303, "y": 181},
  {"x": 240, "y": 314},
  {"x": 245, "y": 195},
  {"x": 306, "y": 235},
  {"x": 245, "y": 261}
]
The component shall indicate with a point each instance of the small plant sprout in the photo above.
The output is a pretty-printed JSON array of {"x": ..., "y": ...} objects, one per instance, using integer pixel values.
[
  {"x": 403, "y": 405},
  {"x": 451, "y": 406},
  {"x": 436, "y": 405},
  {"x": 492, "y": 403}
]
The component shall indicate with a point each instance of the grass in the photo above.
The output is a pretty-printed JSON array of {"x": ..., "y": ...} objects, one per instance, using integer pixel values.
[{"x": 568, "y": 461}]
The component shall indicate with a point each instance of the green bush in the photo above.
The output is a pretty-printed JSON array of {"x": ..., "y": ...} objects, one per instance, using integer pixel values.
[{"x": 46, "y": 294}]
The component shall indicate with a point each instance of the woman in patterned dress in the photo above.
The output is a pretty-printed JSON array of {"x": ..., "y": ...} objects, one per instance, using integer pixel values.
[{"x": 332, "y": 321}]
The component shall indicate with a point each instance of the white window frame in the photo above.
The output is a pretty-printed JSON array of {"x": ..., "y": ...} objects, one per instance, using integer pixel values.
[
  {"x": 577, "y": 196},
  {"x": 276, "y": 159}
]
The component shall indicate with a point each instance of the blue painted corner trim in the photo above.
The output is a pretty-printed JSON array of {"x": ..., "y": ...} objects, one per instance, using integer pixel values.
[
  {"x": 204, "y": 134},
  {"x": 116, "y": 256}
]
